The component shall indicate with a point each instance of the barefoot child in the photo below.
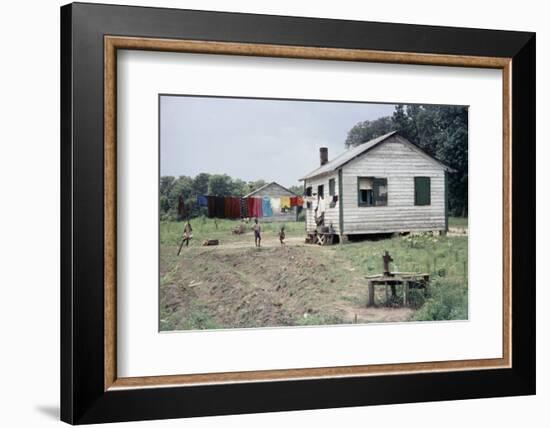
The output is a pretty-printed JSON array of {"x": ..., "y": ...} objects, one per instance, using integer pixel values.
[
  {"x": 257, "y": 233},
  {"x": 186, "y": 236},
  {"x": 282, "y": 235}
]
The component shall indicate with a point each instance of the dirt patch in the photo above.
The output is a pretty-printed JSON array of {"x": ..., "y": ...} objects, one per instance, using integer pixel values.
[{"x": 239, "y": 286}]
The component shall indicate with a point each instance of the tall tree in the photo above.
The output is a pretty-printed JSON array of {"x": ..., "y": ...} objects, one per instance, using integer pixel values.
[
  {"x": 441, "y": 131},
  {"x": 200, "y": 183},
  {"x": 166, "y": 184},
  {"x": 298, "y": 189},
  {"x": 219, "y": 185},
  {"x": 367, "y": 130},
  {"x": 239, "y": 187}
]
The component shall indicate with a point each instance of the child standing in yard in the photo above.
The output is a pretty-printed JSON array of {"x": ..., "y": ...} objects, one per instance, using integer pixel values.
[
  {"x": 257, "y": 233},
  {"x": 282, "y": 235}
]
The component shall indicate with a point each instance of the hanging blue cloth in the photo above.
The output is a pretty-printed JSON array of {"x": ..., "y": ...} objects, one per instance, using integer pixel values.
[
  {"x": 202, "y": 201},
  {"x": 266, "y": 207}
]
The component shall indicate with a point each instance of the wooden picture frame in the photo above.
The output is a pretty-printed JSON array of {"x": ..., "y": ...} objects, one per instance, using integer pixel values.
[{"x": 91, "y": 390}]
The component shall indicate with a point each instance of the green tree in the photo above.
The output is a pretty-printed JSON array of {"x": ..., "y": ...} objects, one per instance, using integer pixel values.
[
  {"x": 298, "y": 189},
  {"x": 183, "y": 186},
  {"x": 254, "y": 185},
  {"x": 238, "y": 187},
  {"x": 220, "y": 185},
  {"x": 367, "y": 130},
  {"x": 200, "y": 183},
  {"x": 166, "y": 184},
  {"x": 441, "y": 131}
]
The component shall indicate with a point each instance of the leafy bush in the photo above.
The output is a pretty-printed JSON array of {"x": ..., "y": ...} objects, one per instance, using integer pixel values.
[{"x": 447, "y": 301}]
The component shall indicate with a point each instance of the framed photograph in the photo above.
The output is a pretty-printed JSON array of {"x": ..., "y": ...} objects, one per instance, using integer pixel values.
[{"x": 266, "y": 213}]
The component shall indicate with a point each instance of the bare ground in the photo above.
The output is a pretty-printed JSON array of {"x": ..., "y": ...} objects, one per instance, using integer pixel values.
[{"x": 239, "y": 286}]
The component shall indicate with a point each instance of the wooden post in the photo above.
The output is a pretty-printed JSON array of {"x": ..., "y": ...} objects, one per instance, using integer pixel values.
[
  {"x": 387, "y": 292},
  {"x": 405, "y": 293},
  {"x": 370, "y": 299}
]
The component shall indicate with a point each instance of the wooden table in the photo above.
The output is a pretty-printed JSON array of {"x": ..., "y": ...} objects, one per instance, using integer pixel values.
[{"x": 407, "y": 280}]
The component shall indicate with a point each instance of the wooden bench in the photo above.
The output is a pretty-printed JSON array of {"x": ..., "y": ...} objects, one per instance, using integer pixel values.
[
  {"x": 320, "y": 238},
  {"x": 325, "y": 238}
]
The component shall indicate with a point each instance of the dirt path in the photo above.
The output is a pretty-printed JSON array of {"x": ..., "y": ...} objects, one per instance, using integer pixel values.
[{"x": 272, "y": 242}]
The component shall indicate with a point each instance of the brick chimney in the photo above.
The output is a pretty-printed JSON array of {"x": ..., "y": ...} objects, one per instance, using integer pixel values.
[{"x": 323, "y": 154}]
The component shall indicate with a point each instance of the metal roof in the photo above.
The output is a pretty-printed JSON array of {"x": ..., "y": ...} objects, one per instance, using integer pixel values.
[{"x": 354, "y": 152}]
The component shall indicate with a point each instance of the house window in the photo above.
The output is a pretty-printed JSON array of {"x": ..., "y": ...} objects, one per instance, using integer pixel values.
[
  {"x": 372, "y": 191},
  {"x": 332, "y": 187},
  {"x": 422, "y": 191},
  {"x": 320, "y": 191},
  {"x": 308, "y": 191}
]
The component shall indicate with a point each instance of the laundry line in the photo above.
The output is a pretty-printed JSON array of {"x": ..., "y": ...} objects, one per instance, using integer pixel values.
[{"x": 233, "y": 207}]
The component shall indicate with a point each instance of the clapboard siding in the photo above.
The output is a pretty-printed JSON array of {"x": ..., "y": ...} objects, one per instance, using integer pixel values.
[
  {"x": 331, "y": 214},
  {"x": 399, "y": 164}
]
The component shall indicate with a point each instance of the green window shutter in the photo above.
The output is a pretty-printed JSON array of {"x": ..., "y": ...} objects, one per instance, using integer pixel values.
[
  {"x": 422, "y": 191},
  {"x": 331, "y": 187}
]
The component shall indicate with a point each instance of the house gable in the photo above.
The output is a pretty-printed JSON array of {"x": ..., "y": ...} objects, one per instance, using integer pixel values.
[
  {"x": 414, "y": 152},
  {"x": 398, "y": 162},
  {"x": 364, "y": 149},
  {"x": 272, "y": 189}
]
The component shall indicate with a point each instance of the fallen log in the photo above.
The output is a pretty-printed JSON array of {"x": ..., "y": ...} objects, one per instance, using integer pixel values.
[{"x": 209, "y": 242}]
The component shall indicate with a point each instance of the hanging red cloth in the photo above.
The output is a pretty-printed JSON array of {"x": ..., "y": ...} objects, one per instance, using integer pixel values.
[
  {"x": 255, "y": 207},
  {"x": 293, "y": 201},
  {"x": 235, "y": 207},
  {"x": 250, "y": 203},
  {"x": 259, "y": 204},
  {"x": 227, "y": 207}
]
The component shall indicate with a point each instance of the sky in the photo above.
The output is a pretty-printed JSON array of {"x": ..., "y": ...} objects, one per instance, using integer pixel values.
[{"x": 252, "y": 139}]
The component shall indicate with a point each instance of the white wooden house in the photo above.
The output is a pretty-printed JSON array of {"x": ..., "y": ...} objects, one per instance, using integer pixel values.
[{"x": 385, "y": 185}]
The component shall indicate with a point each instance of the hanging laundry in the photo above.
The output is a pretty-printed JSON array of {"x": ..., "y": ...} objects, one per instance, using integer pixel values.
[
  {"x": 211, "y": 206},
  {"x": 250, "y": 204},
  {"x": 202, "y": 201},
  {"x": 299, "y": 201},
  {"x": 255, "y": 207},
  {"x": 321, "y": 205},
  {"x": 275, "y": 205},
  {"x": 259, "y": 209},
  {"x": 266, "y": 207},
  {"x": 244, "y": 207},
  {"x": 220, "y": 206},
  {"x": 235, "y": 207},
  {"x": 227, "y": 207},
  {"x": 293, "y": 201},
  {"x": 285, "y": 202}
]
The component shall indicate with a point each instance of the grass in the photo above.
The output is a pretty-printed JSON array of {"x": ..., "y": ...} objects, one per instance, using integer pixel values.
[
  {"x": 208, "y": 228},
  {"x": 342, "y": 268},
  {"x": 458, "y": 222},
  {"x": 444, "y": 258}
]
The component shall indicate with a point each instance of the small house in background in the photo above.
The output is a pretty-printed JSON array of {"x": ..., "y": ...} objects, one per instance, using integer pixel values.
[
  {"x": 385, "y": 185},
  {"x": 274, "y": 190}
]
